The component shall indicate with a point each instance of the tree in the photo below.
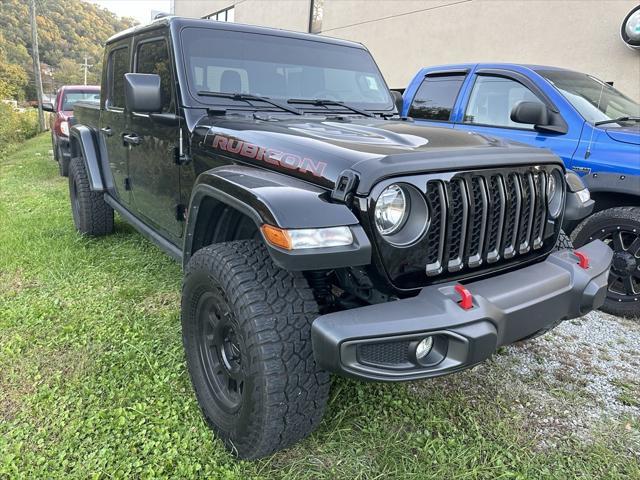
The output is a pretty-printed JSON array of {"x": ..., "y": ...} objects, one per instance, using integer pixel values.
[
  {"x": 68, "y": 30},
  {"x": 68, "y": 73},
  {"x": 13, "y": 80}
]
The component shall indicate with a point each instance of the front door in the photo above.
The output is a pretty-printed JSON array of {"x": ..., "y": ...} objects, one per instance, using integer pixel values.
[
  {"x": 488, "y": 111},
  {"x": 153, "y": 171}
]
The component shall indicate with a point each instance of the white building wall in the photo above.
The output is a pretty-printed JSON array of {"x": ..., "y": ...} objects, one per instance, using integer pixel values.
[{"x": 406, "y": 35}]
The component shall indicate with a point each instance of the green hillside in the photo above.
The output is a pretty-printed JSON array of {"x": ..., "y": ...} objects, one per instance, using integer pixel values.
[{"x": 68, "y": 30}]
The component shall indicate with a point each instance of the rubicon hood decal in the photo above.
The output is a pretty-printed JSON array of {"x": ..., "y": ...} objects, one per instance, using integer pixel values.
[
  {"x": 290, "y": 161},
  {"x": 318, "y": 150}
]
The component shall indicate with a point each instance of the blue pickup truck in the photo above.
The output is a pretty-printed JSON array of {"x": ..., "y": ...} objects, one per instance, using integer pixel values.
[{"x": 593, "y": 127}]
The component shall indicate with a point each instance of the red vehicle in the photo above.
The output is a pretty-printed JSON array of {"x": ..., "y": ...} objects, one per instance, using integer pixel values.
[{"x": 61, "y": 115}]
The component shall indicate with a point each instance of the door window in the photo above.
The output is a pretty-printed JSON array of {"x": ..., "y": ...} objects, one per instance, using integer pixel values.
[
  {"x": 153, "y": 57},
  {"x": 118, "y": 66},
  {"x": 492, "y": 100},
  {"x": 436, "y": 96}
]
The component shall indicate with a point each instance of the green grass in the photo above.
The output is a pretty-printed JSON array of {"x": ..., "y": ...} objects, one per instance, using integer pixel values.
[{"x": 93, "y": 381}]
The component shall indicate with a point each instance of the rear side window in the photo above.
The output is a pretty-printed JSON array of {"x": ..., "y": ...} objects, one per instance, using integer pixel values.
[
  {"x": 436, "y": 96},
  {"x": 153, "y": 57},
  {"x": 492, "y": 100},
  {"x": 118, "y": 66}
]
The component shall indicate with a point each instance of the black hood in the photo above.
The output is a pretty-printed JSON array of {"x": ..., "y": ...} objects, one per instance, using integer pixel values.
[{"x": 319, "y": 149}]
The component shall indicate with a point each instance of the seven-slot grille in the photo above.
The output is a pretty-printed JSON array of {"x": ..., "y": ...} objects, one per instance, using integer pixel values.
[{"x": 478, "y": 218}]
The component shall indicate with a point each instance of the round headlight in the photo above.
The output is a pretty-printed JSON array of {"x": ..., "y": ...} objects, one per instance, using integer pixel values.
[
  {"x": 551, "y": 186},
  {"x": 554, "y": 193},
  {"x": 391, "y": 210}
]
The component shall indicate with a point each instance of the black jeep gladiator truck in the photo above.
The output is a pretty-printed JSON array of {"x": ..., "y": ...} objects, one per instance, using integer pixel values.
[{"x": 318, "y": 231}]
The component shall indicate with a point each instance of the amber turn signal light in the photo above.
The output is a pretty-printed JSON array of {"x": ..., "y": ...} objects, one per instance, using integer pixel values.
[{"x": 277, "y": 237}]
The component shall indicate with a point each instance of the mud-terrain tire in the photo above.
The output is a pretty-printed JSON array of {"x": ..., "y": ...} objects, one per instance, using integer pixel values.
[
  {"x": 618, "y": 227},
  {"x": 564, "y": 242},
  {"x": 246, "y": 330},
  {"x": 91, "y": 214}
]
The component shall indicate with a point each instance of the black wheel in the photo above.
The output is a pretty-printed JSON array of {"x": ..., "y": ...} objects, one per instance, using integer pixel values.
[
  {"x": 246, "y": 327},
  {"x": 91, "y": 214},
  {"x": 63, "y": 163},
  {"x": 619, "y": 228}
]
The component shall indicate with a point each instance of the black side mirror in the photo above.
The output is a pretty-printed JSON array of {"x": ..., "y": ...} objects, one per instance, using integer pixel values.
[
  {"x": 142, "y": 92},
  {"x": 398, "y": 100},
  {"x": 532, "y": 113},
  {"x": 48, "y": 107}
]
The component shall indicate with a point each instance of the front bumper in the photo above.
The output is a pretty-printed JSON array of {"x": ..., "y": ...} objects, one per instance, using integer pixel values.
[{"x": 377, "y": 342}]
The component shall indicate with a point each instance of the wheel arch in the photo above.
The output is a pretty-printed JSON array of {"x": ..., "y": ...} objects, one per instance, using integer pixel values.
[
  {"x": 232, "y": 203},
  {"x": 82, "y": 143},
  {"x": 610, "y": 199}
]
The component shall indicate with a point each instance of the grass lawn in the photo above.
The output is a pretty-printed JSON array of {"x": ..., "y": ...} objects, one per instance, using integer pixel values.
[{"x": 93, "y": 381}]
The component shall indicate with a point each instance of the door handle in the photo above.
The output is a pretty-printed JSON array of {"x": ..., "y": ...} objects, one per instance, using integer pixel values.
[
  {"x": 107, "y": 131},
  {"x": 131, "y": 139}
]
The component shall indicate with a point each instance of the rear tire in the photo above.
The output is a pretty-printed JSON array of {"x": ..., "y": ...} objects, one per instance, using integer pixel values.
[
  {"x": 91, "y": 214},
  {"x": 619, "y": 228},
  {"x": 246, "y": 329}
]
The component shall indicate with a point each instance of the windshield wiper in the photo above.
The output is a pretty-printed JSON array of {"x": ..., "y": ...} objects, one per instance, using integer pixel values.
[
  {"x": 246, "y": 97},
  {"x": 616, "y": 120},
  {"x": 320, "y": 102}
]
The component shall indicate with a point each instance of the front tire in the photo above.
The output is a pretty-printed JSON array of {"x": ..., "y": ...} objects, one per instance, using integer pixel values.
[
  {"x": 246, "y": 327},
  {"x": 91, "y": 214},
  {"x": 619, "y": 228}
]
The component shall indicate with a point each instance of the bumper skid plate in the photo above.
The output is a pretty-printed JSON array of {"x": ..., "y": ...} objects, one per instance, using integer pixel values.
[{"x": 378, "y": 342}]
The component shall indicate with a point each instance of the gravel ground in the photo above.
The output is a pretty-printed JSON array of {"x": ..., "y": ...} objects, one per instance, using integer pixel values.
[{"x": 570, "y": 383}]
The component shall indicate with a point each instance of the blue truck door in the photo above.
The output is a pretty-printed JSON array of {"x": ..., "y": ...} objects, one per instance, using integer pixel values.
[
  {"x": 486, "y": 108},
  {"x": 434, "y": 99}
]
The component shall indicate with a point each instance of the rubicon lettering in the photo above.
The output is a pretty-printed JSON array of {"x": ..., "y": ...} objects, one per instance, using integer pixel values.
[{"x": 269, "y": 155}]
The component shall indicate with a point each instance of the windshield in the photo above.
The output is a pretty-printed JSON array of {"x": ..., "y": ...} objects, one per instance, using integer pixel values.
[
  {"x": 70, "y": 98},
  {"x": 280, "y": 68},
  {"x": 594, "y": 99}
]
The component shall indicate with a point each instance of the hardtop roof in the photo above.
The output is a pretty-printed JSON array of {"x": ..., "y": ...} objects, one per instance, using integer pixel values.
[{"x": 180, "y": 22}]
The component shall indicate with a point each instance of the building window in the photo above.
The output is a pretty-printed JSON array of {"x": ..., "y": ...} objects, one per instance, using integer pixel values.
[
  {"x": 226, "y": 15},
  {"x": 315, "y": 16}
]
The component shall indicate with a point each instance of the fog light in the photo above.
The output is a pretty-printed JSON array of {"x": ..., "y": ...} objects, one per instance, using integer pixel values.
[{"x": 424, "y": 348}]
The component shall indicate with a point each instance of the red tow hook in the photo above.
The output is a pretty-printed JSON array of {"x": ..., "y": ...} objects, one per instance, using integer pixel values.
[
  {"x": 583, "y": 259},
  {"x": 466, "y": 299}
]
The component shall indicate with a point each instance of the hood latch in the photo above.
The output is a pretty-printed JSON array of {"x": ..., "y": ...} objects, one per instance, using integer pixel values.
[{"x": 345, "y": 186}]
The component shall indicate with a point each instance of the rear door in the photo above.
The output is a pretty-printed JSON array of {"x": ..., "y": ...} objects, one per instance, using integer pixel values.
[
  {"x": 113, "y": 120},
  {"x": 154, "y": 173},
  {"x": 435, "y": 98}
]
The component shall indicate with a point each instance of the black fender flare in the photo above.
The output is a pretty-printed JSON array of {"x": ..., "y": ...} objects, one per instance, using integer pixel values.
[
  {"x": 83, "y": 140},
  {"x": 279, "y": 200},
  {"x": 613, "y": 183}
]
